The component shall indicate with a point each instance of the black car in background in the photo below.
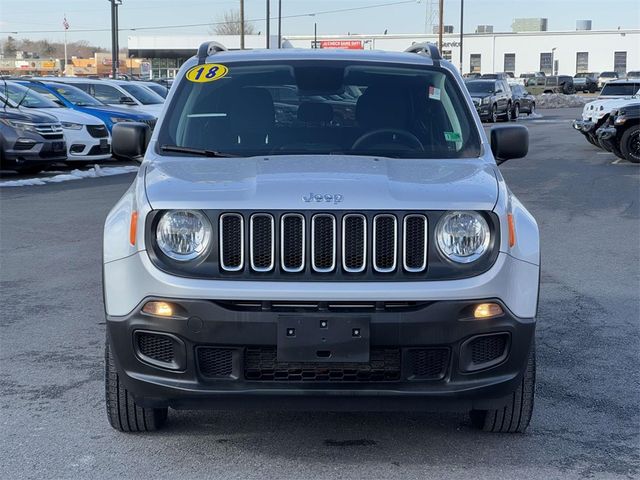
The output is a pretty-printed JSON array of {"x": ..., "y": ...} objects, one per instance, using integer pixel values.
[
  {"x": 586, "y": 82},
  {"x": 621, "y": 133},
  {"x": 29, "y": 141},
  {"x": 492, "y": 98},
  {"x": 522, "y": 101}
]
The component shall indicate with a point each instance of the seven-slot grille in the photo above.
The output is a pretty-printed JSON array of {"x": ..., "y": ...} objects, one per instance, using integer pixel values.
[{"x": 352, "y": 243}]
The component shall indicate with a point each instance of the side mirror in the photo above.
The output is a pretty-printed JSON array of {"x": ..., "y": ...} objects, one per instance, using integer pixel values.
[
  {"x": 509, "y": 141},
  {"x": 130, "y": 139},
  {"x": 127, "y": 100}
]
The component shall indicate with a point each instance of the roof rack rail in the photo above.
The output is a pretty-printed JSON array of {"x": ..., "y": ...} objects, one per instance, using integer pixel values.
[
  {"x": 425, "y": 48},
  {"x": 209, "y": 48}
]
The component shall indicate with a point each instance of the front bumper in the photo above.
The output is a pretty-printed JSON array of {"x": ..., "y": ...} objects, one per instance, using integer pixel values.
[
  {"x": 84, "y": 147},
  {"x": 584, "y": 126},
  {"x": 443, "y": 326},
  {"x": 484, "y": 111},
  {"x": 39, "y": 152}
]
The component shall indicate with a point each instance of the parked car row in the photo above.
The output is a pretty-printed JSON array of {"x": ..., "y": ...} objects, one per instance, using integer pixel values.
[
  {"x": 65, "y": 119},
  {"x": 611, "y": 121},
  {"x": 497, "y": 99}
]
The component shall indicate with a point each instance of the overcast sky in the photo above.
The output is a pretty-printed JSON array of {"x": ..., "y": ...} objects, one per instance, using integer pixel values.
[{"x": 29, "y": 15}]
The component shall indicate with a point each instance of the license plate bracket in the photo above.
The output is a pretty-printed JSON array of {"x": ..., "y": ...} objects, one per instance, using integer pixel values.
[{"x": 323, "y": 339}]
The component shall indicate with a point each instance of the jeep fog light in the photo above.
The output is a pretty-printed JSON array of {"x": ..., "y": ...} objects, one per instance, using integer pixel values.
[
  {"x": 183, "y": 234},
  {"x": 159, "y": 309},
  {"x": 487, "y": 310},
  {"x": 463, "y": 236}
]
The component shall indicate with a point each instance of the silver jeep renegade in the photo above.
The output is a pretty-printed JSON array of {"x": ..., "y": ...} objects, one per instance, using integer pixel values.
[{"x": 320, "y": 230}]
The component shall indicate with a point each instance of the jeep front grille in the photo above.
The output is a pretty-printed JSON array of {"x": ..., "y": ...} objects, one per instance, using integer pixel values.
[{"x": 323, "y": 243}]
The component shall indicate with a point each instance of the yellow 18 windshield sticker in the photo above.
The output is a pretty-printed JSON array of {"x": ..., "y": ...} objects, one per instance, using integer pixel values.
[{"x": 208, "y": 72}]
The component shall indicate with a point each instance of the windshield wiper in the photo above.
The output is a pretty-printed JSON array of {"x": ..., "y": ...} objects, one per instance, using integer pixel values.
[{"x": 195, "y": 151}]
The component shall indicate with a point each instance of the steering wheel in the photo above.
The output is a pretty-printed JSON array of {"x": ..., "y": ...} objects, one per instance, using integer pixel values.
[{"x": 404, "y": 137}]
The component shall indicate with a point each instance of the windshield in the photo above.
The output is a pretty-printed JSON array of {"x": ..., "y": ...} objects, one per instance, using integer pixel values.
[
  {"x": 143, "y": 95},
  {"x": 159, "y": 89},
  {"x": 322, "y": 107},
  {"x": 26, "y": 97},
  {"x": 621, "y": 89},
  {"x": 481, "y": 87},
  {"x": 609, "y": 75},
  {"x": 75, "y": 95}
]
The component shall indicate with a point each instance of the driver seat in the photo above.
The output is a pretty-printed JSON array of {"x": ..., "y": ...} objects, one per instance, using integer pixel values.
[{"x": 380, "y": 107}]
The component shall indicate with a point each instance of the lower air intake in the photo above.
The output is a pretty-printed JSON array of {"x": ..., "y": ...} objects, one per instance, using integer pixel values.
[
  {"x": 156, "y": 347},
  {"x": 215, "y": 362},
  {"x": 260, "y": 364},
  {"x": 428, "y": 363}
]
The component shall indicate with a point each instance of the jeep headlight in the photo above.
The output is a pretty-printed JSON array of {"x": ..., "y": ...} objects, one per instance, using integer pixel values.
[
  {"x": 183, "y": 234},
  {"x": 486, "y": 100},
  {"x": 462, "y": 236}
]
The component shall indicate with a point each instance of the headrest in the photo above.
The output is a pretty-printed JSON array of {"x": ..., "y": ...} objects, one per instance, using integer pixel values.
[
  {"x": 252, "y": 111},
  {"x": 383, "y": 108},
  {"x": 315, "y": 112}
]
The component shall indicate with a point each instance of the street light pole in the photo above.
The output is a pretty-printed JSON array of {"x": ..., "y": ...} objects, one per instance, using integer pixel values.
[
  {"x": 279, "y": 23},
  {"x": 241, "y": 24},
  {"x": 441, "y": 20},
  {"x": 268, "y": 23},
  {"x": 114, "y": 38},
  {"x": 461, "y": 31}
]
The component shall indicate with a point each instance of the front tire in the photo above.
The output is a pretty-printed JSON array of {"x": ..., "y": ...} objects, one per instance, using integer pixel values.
[
  {"x": 630, "y": 144},
  {"x": 493, "y": 118},
  {"x": 515, "y": 416},
  {"x": 532, "y": 109},
  {"x": 515, "y": 112},
  {"x": 122, "y": 411}
]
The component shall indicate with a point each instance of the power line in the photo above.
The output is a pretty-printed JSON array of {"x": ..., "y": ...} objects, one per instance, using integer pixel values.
[{"x": 163, "y": 27}]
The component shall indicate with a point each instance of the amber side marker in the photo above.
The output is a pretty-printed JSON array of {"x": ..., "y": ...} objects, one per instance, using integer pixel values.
[
  {"x": 512, "y": 230},
  {"x": 159, "y": 309},
  {"x": 133, "y": 227},
  {"x": 487, "y": 310}
]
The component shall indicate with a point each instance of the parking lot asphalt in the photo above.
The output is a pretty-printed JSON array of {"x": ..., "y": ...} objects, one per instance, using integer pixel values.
[{"x": 586, "y": 421}]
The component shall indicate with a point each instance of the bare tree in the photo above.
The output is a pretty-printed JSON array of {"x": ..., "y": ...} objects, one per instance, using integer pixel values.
[{"x": 229, "y": 24}]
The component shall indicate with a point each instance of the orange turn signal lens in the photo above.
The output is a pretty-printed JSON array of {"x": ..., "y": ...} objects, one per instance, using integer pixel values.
[
  {"x": 512, "y": 230},
  {"x": 487, "y": 310},
  {"x": 159, "y": 309},
  {"x": 133, "y": 228}
]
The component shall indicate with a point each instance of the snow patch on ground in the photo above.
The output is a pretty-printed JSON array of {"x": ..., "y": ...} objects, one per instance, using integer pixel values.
[
  {"x": 94, "y": 172},
  {"x": 559, "y": 100}
]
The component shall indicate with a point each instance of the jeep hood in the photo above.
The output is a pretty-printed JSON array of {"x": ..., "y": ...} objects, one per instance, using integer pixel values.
[{"x": 283, "y": 182}]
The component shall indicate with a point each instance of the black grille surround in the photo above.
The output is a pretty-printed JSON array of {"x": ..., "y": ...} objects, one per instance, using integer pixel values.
[
  {"x": 97, "y": 131},
  {"x": 229, "y": 256}
]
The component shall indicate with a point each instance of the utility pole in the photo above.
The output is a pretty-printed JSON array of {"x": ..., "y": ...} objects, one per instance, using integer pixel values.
[
  {"x": 268, "y": 23},
  {"x": 461, "y": 31},
  {"x": 241, "y": 24},
  {"x": 441, "y": 26},
  {"x": 279, "y": 23}
]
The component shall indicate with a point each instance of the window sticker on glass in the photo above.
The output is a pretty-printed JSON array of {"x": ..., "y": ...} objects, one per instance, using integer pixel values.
[
  {"x": 434, "y": 93},
  {"x": 452, "y": 136},
  {"x": 209, "y": 72}
]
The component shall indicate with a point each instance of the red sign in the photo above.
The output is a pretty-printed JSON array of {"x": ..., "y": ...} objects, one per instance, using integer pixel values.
[{"x": 345, "y": 44}]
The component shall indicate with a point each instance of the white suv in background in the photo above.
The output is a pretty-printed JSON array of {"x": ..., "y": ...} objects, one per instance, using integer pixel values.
[
  {"x": 87, "y": 137},
  {"x": 120, "y": 93}
]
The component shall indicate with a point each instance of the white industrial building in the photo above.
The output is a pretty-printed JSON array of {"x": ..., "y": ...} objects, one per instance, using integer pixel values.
[{"x": 565, "y": 52}]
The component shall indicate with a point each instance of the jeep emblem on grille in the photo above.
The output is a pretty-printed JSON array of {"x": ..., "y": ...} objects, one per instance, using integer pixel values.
[{"x": 323, "y": 197}]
